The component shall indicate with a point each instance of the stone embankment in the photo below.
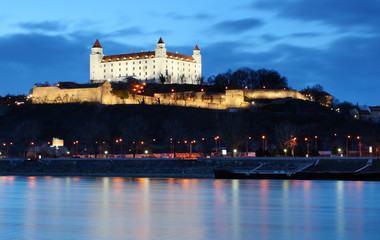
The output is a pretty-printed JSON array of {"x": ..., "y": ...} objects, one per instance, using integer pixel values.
[{"x": 180, "y": 168}]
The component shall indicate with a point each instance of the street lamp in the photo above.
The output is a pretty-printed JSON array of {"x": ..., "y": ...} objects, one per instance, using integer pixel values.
[
  {"x": 264, "y": 143},
  {"x": 360, "y": 146},
  {"x": 307, "y": 146},
  {"x": 348, "y": 137},
  {"x": 316, "y": 142}
]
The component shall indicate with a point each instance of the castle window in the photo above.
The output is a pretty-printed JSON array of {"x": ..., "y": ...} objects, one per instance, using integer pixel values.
[
  {"x": 104, "y": 65},
  {"x": 181, "y": 59},
  {"x": 146, "y": 56},
  {"x": 104, "y": 70},
  {"x": 146, "y": 61},
  {"x": 111, "y": 70},
  {"x": 119, "y": 64},
  {"x": 133, "y": 68},
  {"x": 139, "y": 62},
  {"x": 138, "y": 57},
  {"x": 130, "y": 58},
  {"x": 133, "y": 62},
  {"x": 124, "y": 58},
  {"x": 146, "y": 73},
  {"x": 187, "y": 60},
  {"x": 126, "y": 69},
  {"x": 166, "y": 61},
  {"x": 139, "y": 73},
  {"x": 139, "y": 68},
  {"x": 154, "y": 72},
  {"x": 119, "y": 69},
  {"x": 117, "y": 59},
  {"x": 146, "y": 67},
  {"x": 154, "y": 66},
  {"x": 119, "y": 75},
  {"x": 104, "y": 76},
  {"x": 111, "y": 64},
  {"x": 109, "y": 60}
]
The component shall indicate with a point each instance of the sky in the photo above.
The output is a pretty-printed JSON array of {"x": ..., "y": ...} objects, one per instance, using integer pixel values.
[{"x": 334, "y": 43}]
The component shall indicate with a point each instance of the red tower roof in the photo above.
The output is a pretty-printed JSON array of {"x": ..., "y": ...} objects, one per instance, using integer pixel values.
[
  {"x": 196, "y": 47},
  {"x": 97, "y": 44},
  {"x": 160, "y": 41}
]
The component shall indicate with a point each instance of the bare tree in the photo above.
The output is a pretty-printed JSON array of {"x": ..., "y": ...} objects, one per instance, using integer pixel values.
[{"x": 285, "y": 132}]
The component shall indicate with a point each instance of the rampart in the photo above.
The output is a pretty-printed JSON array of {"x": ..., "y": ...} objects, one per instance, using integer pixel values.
[{"x": 102, "y": 93}]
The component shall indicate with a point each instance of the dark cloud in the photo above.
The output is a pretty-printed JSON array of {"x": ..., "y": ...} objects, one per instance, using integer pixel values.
[
  {"x": 305, "y": 35},
  {"x": 238, "y": 26},
  {"x": 340, "y": 13},
  {"x": 347, "y": 68},
  {"x": 46, "y": 26},
  {"x": 126, "y": 32},
  {"x": 198, "y": 16},
  {"x": 31, "y": 58}
]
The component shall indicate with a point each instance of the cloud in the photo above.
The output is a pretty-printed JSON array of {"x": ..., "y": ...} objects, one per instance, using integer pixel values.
[
  {"x": 238, "y": 26},
  {"x": 347, "y": 68},
  {"x": 197, "y": 16},
  {"x": 338, "y": 13},
  {"x": 45, "y": 26},
  {"x": 127, "y": 32}
]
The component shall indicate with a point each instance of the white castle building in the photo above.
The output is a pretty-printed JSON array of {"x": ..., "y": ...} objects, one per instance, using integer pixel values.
[{"x": 151, "y": 65}]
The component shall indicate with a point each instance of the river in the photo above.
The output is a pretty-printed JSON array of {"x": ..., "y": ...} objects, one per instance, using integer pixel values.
[{"x": 147, "y": 208}]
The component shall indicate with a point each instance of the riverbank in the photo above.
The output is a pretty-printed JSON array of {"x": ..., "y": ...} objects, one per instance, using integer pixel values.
[{"x": 195, "y": 168}]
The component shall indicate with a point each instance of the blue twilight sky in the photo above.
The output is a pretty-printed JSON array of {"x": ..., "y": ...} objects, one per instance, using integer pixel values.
[{"x": 335, "y": 43}]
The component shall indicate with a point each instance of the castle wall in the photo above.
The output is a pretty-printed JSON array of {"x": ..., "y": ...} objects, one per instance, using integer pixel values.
[
  {"x": 57, "y": 95},
  {"x": 103, "y": 94},
  {"x": 272, "y": 94}
]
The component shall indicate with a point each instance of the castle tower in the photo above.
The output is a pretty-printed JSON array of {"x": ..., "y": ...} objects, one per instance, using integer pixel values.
[
  {"x": 160, "y": 49},
  {"x": 95, "y": 59},
  {"x": 197, "y": 55}
]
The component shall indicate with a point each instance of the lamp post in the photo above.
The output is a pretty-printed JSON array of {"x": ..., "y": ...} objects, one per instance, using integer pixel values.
[
  {"x": 348, "y": 137},
  {"x": 307, "y": 146},
  {"x": 246, "y": 145},
  {"x": 316, "y": 142},
  {"x": 35, "y": 149},
  {"x": 264, "y": 143},
  {"x": 216, "y": 145},
  {"x": 360, "y": 146}
]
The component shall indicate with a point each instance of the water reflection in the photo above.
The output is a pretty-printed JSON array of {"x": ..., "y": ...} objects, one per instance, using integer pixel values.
[{"x": 143, "y": 208}]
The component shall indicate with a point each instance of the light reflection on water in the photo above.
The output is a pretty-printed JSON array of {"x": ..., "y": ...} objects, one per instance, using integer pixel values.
[{"x": 143, "y": 208}]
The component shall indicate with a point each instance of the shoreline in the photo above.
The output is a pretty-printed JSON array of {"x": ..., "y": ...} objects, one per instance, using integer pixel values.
[{"x": 334, "y": 168}]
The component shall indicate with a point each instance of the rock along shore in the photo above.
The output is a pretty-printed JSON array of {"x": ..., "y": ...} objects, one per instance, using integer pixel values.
[{"x": 189, "y": 168}]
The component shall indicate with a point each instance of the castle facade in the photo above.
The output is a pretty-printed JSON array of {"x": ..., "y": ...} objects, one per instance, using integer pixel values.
[{"x": 159, "y": 65}]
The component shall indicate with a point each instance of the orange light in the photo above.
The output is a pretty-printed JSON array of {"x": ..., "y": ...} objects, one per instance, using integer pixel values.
[
  {"x": 116, "y": 141},
  {"x": 263, "y": 137},
  {"x": 264, "y": 87},
  {"x": 249, "y": 138},
  {"x": 306, "y": 139},
  {"x": 120, "y": 140},
  {"x": 11, "y": 143},
  {"x": 144, "y": 84},
  {"x": 348, "y": 136},
  {"x": 142, "y": 142},
  {"x": 315, "y": 136},
  {"x": 172, "y": 89},
  {"x": 4, "y": 144},
  {"x": 154, "y": 139},
  {"x": 203, "y": 139},
  {"x": 358, "y": 137},
  {"x": 185, "y": 141},
  {"x": 32, "y": 143},
  {"x": 226, "y": 87},
  {"x": 202, "y": 90}
]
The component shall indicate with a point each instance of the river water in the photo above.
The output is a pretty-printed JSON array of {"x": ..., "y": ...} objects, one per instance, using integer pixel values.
[{"x": 143, "y": 208}]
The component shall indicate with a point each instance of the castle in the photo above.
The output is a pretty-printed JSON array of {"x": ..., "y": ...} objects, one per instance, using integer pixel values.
[{"x": 159, "y": 65}]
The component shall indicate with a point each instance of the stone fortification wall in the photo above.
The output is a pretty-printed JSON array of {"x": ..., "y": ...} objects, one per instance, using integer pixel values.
[
  {"x": 272, "y": 94},
  {"x": 103, "y": 94},
  {"x": 58, "y": 95}
]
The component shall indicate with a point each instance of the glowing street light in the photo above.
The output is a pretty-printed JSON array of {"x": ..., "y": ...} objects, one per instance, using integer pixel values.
[
  {"x": 360, "y": 146},
  {"x": 307, "y": 148},
  {"x": 348, "y": 137}
]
